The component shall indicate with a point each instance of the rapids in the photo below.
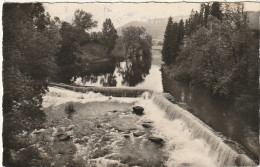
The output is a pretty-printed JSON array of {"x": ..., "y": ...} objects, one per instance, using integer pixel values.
[
  {"x": 188, "y": 141},
  {"x": 214, "y": 145}
]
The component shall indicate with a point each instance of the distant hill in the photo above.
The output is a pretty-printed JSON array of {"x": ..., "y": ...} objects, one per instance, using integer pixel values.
[{"x": 154, "y": 27}]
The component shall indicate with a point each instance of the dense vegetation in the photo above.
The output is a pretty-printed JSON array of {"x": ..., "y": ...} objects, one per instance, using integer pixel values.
[
  {"x": 30, "y": 41},
  {"x": 219, "y": 51},
  {"x": 173, "y": 38},
  {"x": 136, "y": 41},
  {"x": 38, "y": 49}
]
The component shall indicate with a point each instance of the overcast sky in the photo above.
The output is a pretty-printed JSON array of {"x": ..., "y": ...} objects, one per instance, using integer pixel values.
[{"x": 122, "y": 13}]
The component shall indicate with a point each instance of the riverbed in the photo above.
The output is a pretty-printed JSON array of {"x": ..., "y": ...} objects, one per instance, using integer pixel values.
[{"x": 103, "y": 131}]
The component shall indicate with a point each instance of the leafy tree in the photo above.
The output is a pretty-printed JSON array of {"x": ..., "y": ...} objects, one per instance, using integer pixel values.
[
  {"x": 216, "y": 55},
  {"x": 83, "y": 20},
  {"x": 30, "y": 41},
  {"x": 96, "y": 37},
  {"x": 136, "y": 40},
  {"x": 109, "y": 36},
  {"x": 73, "y": 36}
]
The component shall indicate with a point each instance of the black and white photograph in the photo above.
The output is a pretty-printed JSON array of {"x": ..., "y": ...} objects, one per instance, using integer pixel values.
[{"x": 130, "y": 84}]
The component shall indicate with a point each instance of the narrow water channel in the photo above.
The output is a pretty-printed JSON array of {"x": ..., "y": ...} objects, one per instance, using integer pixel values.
[{"x": 215, "y": 112}]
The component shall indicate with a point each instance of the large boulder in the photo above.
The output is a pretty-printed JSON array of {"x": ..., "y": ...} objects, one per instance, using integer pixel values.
[
  {"x": 138, "y": 110},
  {"x": 156, "y": 140}
]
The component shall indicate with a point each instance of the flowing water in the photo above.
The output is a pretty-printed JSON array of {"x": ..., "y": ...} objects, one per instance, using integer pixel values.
[
  {"x": 99, "y": 132},
  {"x": 103, "y": 127},
  {"x": 229, "y": 129}
]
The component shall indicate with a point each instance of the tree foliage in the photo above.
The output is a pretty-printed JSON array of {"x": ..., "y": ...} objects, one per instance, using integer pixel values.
[
  {"x": 73, "y": 37},
  {"x": 173, "y": 39},
  {"x": 136, "y": 41},
  {"x": 83, "y": 20},
  {"x": 216, "y": 10},
  {"x": 30, "y": 41},
  {"x": 218, "y": 52},
  {"x": 217, "y": 55},
  {"x": 109, "y": 36}
]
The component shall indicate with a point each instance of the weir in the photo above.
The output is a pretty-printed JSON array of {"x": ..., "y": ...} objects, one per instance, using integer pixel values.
[
  {"x": 108, "y": 91},
  {"x": 226, "y": 156}
]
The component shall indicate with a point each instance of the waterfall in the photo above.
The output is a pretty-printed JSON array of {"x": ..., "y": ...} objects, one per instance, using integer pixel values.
[{"x": 226, "y": 156}]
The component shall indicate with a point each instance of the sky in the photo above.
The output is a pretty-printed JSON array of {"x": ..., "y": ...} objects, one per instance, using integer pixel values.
[{"x": 122, "y": 13}]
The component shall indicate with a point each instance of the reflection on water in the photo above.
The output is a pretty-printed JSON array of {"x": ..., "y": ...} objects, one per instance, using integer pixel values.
[
  {"x": 137, "y": 72},
  {"x": 130, "y": 72},
  {"x": 216, "y": 112},
  {"x": 134, "y": 71}
]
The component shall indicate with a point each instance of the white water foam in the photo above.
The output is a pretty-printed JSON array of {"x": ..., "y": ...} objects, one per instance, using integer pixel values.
[
  {"x": 194, "y": 140},
  {"x": 56, "y": 96},
  {"x": 188, "y": 141},
  {"x": 182, "y": 149}
]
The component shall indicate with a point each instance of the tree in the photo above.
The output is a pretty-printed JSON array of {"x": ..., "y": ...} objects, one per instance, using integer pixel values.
[
  {"x": 173, "y": 39},
  {"x": 67, "y": 60},
  {"x": 136, "y": 40},
  {"x": 73, "y": 36},
  {"x": 166, "y": 50},
  {"x": 216, "y": 54},
  {"x": 96, "y": 37},
  {"x": 181, "y": 32},
  {"x": 174, "y": 42},
  {"x": 204, "y": 13},
  {"x": 216, "y": 10},
  {"x": 30, "y": 41},
  {"x": 83, "y": 20},
  {"x": 109, "y": 36}
]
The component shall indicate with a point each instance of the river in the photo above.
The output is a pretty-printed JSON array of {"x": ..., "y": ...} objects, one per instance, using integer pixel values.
[{"x": 240, "y": 132}]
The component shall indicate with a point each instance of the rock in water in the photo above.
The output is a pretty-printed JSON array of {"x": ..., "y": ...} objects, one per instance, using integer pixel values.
[
  {"x": 137, "y": 134},
  {"x": 38, "y": 131},
  {"x": 126, "y": 136},
  {"x": 146, "y": 125},
  {"x": 156, "y": 140},
  {"x": 64, "y": 137},
  {"x": 138, "y": 110}
]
